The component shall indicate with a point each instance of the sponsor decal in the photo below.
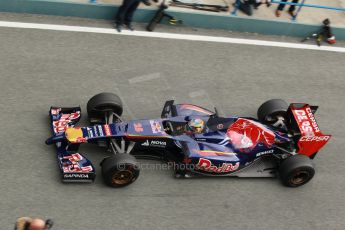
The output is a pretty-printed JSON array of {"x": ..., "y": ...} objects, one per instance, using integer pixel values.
[
  {"x": 71, "y": 164},
  {"x": 245, "y": 135},
  {"x": 75, "y": 135},
  {"x": 155, "y": 143},
  {"x": 138, "y": 127},
  {"x": 99, "y": 130},
  {"x": 264, "y": 152},
  {"x": 62, "y": 124},
  {"x": 309, "y": 145},
  {"x": 76, "y": 176},
  {"x": 207, "y": 166},
  {"x": 95, "y": 131},
  {"x": 90, "y": 132},
  {"x": 81, "y": 140},
  {"x": 158, "y": 143},
  {"x": 107, "y": 130},
  {"x": 306, "y": 121},
  {"x": 55, "y": 111},
  {"x": 156, "y": 126},
  {"x": 315, "y": 138},
  {"x": 146, "y": 143},
  {"x": 312, "y": 140}
]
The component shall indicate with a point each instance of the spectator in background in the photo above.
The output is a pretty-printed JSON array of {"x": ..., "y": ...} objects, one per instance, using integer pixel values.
[
  {"x": 125, "y": 13},
  {"x": 246, "y": 6},
  {"x": 291, "y": 9},
  {"x": 26, "y": 223}
]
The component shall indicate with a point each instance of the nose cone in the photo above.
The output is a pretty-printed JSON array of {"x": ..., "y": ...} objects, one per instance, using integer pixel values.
[{"x": 54, "y": 139}]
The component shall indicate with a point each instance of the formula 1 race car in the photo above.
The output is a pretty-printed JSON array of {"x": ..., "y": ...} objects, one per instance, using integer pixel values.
[{"x": 282, "y": 141}]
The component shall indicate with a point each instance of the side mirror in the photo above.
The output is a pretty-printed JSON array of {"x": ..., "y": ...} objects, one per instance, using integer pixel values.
[{"x": 216, "y": 114}]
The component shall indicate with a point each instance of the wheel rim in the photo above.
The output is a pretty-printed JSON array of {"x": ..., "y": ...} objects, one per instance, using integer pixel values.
[
  {"x": 122, "y": 177},
  {"x": 300, "y": 177}
]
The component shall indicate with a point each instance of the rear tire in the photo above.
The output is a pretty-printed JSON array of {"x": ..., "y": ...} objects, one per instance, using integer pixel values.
[
  {"x": 296, "y": 170},
  {"x": 100, "y": 104},
  {"x": 120, "y": 170},
  {"x": 271, "y": 110}
]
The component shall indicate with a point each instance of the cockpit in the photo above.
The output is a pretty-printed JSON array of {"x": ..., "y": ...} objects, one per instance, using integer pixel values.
[
  {"x": 174, "y": 128},
  {"x": 197, "y": 125}
]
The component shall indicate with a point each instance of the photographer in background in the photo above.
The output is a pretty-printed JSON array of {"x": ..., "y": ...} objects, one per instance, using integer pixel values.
[
  {"x": 126, "y": 11},
  {"x": 246, "y": 6},
  {"x": 27, "y": 223},
  {"x": 291, "y": 10}
]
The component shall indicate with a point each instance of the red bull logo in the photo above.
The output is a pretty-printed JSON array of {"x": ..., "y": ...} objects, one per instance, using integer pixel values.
[
  {"x": 246, "y": 134},
  {"x": 206, "y": 165}
]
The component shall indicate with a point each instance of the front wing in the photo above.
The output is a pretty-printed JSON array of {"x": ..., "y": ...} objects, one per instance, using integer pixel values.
[{"x": 74, "y": 167}]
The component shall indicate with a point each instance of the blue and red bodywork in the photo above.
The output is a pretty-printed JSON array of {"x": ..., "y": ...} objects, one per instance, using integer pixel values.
[
  {"x": 227, "y": 146},
  {"x": 73, "y": 165}
]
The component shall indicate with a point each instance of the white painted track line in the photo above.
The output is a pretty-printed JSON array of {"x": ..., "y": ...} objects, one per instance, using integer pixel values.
[{"x": 170, "y": 36}]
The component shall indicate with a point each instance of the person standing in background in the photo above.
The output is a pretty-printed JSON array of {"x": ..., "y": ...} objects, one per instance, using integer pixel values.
[
  {"x": 291, "y": 9},
  {"x": 125, "y": 13},
  {"x": 27, "y": 223},
  {"x": 246, "y": 6}
]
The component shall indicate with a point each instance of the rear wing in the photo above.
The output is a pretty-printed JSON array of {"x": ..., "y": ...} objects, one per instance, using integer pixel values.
[{"x": 306, "y": 131}]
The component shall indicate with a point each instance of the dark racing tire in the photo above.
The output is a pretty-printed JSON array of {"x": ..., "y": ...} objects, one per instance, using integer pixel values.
[
  {"x": 271, "y": 109},
  {"x": 100, "y": 104},
  {"x": 120, "y": 170},
  {"x": 296, "y": 170}
]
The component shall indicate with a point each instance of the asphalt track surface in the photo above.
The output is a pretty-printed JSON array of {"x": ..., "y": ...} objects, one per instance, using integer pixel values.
[{"x": 42, "y": 68}]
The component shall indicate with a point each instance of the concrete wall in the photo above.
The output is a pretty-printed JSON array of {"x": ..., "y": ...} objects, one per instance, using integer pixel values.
[{"x": 102, "y": 11}]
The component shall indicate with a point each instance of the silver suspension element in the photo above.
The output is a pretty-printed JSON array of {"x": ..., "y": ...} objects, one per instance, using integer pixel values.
[
  {"x": 118, "y": 146},
  {"x": 280, "y": 122},
  {"x": 286, "y": 153}
]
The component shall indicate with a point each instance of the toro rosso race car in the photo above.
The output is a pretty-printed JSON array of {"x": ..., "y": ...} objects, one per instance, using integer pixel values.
[{"x": 282, "y": 141}]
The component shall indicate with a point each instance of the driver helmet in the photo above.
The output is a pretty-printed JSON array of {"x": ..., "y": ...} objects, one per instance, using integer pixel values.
[{"x": 196, "y": 125}]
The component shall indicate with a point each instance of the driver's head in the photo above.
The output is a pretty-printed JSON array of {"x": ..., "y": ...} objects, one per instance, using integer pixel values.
[{"x": 196, "y": 125}]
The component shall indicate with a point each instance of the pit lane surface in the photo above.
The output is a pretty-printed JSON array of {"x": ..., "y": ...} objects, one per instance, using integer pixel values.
[{"x": 42, "y": 68}]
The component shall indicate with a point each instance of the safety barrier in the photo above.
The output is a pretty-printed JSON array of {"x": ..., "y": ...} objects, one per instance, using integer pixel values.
[
  {"x": 144, "y": 15},
  {"x": 300, "y": 5}
]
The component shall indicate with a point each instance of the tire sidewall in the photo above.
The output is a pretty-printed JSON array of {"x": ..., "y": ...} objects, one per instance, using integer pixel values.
[
  {"x": 110, "y": 100},
  {"x": 108, "y": 175},
  {"x": 304, "y": 169},
  {"x": 271, "y": 108},
  {"x": 293, "y": 165},
  {"x": 118, "y": 163}
]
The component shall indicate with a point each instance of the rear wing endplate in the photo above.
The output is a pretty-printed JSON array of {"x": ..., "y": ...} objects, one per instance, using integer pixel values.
[{"x": 310, "y": 139}]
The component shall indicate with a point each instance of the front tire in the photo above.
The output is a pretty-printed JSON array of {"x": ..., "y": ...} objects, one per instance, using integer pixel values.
[
  {"x": 120, "y": 170},
  {"x": 101, "y": 104},
  {"x": 296, "y": 170}
]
